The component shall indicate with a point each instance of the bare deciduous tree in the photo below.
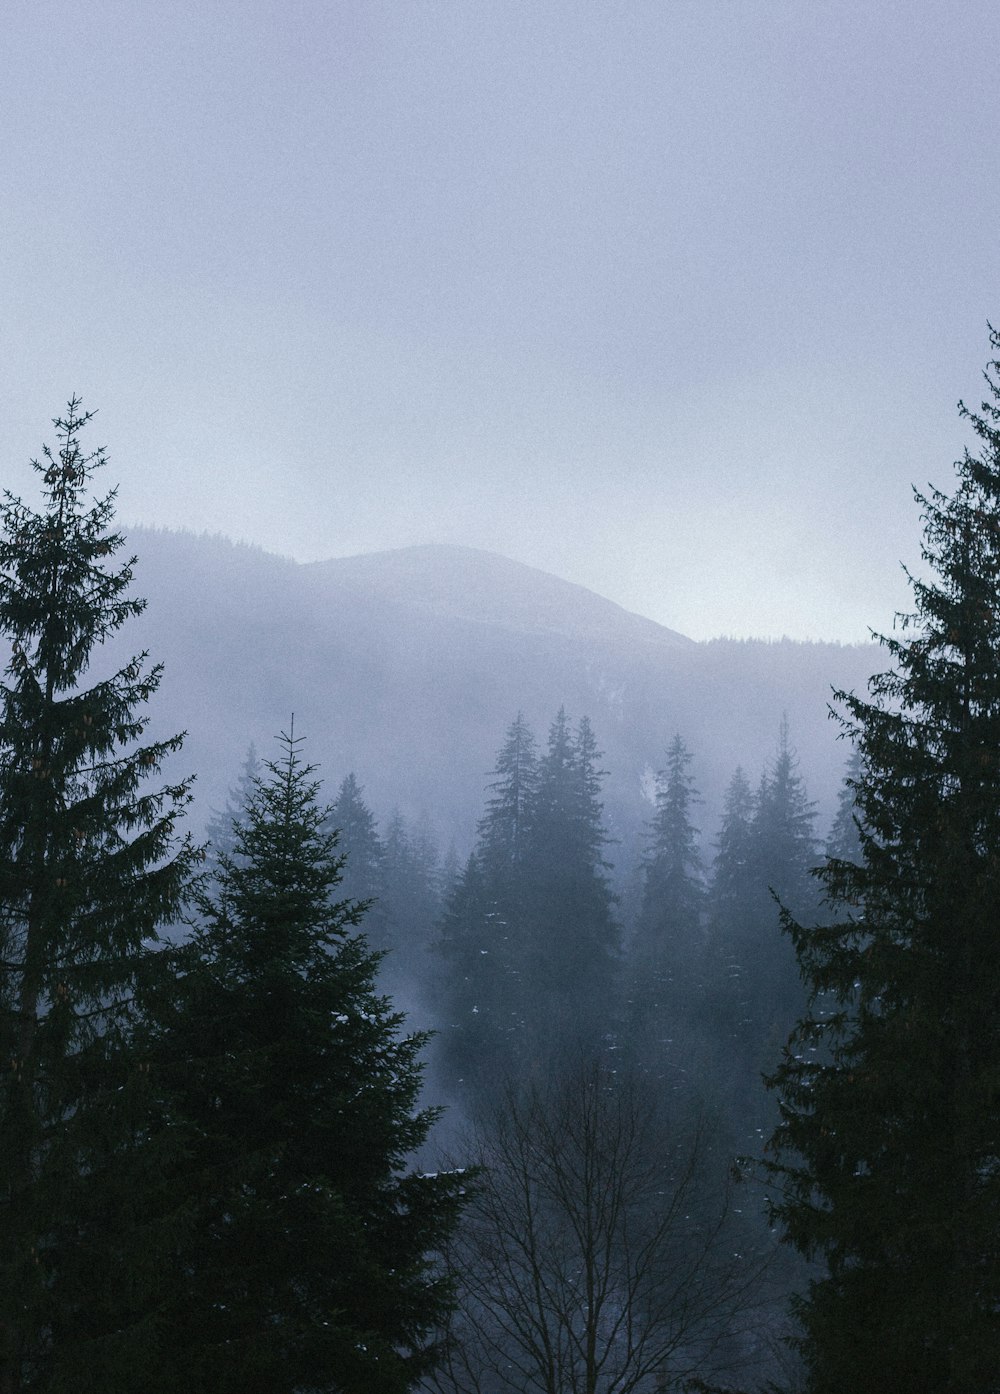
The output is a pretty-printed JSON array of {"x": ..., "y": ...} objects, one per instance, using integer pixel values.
[{"x": 596, "y": 1256}]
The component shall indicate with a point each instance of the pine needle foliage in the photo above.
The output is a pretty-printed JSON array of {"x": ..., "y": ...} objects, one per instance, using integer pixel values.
[
  {"x": 888, "y": 1149},
  {"x": 90, "y": 865}
]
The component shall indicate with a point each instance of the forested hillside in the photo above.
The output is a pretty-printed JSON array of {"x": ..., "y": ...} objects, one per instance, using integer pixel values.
[{"x": 406, "y": 667}]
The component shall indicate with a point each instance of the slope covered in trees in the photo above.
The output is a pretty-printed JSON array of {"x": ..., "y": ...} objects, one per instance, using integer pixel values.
[{"x": 394, "y": 684}]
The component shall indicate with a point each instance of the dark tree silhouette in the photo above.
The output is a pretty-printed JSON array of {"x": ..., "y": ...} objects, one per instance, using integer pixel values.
[
  {"x": 90, "y": 867},
  {"x": 888, "y": 1149},
  {"x": 668, "y": 953},
  {"x": 309, "y": 1260}
]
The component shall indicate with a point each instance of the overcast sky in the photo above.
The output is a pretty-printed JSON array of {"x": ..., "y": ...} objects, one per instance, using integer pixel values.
[{"x": 672, "y": 299}]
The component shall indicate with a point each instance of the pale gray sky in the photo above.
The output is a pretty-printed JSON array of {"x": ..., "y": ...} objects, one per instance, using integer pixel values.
[{"x": 674, "y": 299}]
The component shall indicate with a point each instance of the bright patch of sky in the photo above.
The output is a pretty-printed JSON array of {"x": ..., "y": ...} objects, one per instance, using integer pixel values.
[{"x": 673, "y": 299}]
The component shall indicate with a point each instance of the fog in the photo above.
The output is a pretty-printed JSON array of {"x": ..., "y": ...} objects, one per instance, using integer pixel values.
[{"x": 672, "y": 301}]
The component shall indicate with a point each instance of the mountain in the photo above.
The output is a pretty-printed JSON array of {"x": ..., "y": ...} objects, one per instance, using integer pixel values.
[
  {"x": 407, "y": 666},
  {"x": 463, "y": 583}
]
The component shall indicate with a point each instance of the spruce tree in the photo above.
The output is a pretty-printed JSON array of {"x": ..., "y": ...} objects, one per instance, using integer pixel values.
[
  {"x": 766, "y": 851},
  {"x": 357, "y": 835},
  {"x": 668, "y": 952},
  {"x": 783, "y": 830},
  {"x": 473, "y": 993},
  {"x": 408, "y": 905},
  {"x": 529, "y": 935},
  {"x": 844, "y": 841},
  {"x": 786, "y": 853},
  {"x": 480, "y": 993},
  {"x": 735, "y": 938},
  {"x": 309, "y": 1262},
  {"x": 572, "y": 940},
  {"x": 888, "y": 1150},
  {"x": 507, "y": 822},
  {"x": 90, "y": 866},
  {"x": 219, "y": 829},
  {"x": 734, "y": 871}
]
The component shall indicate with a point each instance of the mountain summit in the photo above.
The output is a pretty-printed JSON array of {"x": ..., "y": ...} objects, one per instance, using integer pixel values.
[
  {"x": 466, "y": 583},
  {"x": 407, "y": 666}
]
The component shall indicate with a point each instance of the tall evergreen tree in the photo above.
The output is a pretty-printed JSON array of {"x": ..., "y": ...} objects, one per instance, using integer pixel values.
[
  {"x": 668, "y": 952},
  {"x": 90, "y": 866},
  {"x": 766, "y": 851},
  {"x": 844, "y": 840},
  {"x": 734, "y": 889},
  {"x": 219, "y": 829},
  {"x": 358, "y": 839},
  {"x": 409, "y": 904},
  {"x": 786, "y": 857},
  {"x": 311, "y": 1262},
  {"x": 481, "y": 932},
  {"x": 572, "y": 940},
  {"x": 451, "y": 870},
  {"x": 473, "y": 998},
  {"x": 888, "y": 1149},
  {"x": 506, "y": 826},
  {"x": 734, "y": 872},
  {"x": 783, "y": 828},
  {"x": 740, "y": 923},
  {"x": 529, "y": 935}
]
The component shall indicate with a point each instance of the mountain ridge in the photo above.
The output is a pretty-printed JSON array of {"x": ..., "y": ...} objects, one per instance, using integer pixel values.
[
  {"x": 412, "y": 689},
  {"x": 489, "y": 587}
]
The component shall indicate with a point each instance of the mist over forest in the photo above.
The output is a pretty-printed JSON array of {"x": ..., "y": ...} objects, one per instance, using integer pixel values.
[
  {"x": 569, "y": 825},
  {"x": 480, "y": 910},
  {"x": 405, "y": 668},
  {"x": 548, "y": 830},
  {"x": 494, "y": 1038}
]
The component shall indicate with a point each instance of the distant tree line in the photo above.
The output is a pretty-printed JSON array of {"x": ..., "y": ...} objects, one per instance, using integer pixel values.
[
  {"x": 525, "y": 954},
  {"x": 536, "y": 977}
]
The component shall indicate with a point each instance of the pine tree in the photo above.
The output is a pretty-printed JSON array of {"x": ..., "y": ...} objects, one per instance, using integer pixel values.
[
  {"x": 734, "y": 872},
  {"x": 736, "y": 935},
  {"x": 473, "y": 996},
  {"x": 529, "y": 936},
  {"x": 888, "y": 1150},
  {"x": 310, "y": 1260},
  {"x": 219, "y": 829},
  {"x": 481, "y": 932},
  {"x": 844, "y": 841},
  {"x": 572, "y": 957},
  {"x": 90, "y": 866},
  {"x": 783, "y": 828},
  {"x": 786, "y": 854},
  {"x": 766, "y": 851},
  {"x": 668, "y": 952},
  {"x": 409, "y": 904},
  {"x": 507, "y": 823},
  {"x": 357, "y": 835},
  {"x": 451, "y": 870}
]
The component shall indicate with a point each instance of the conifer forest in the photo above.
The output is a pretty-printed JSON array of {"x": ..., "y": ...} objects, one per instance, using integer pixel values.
[{"x": 297, "y": 1097}]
